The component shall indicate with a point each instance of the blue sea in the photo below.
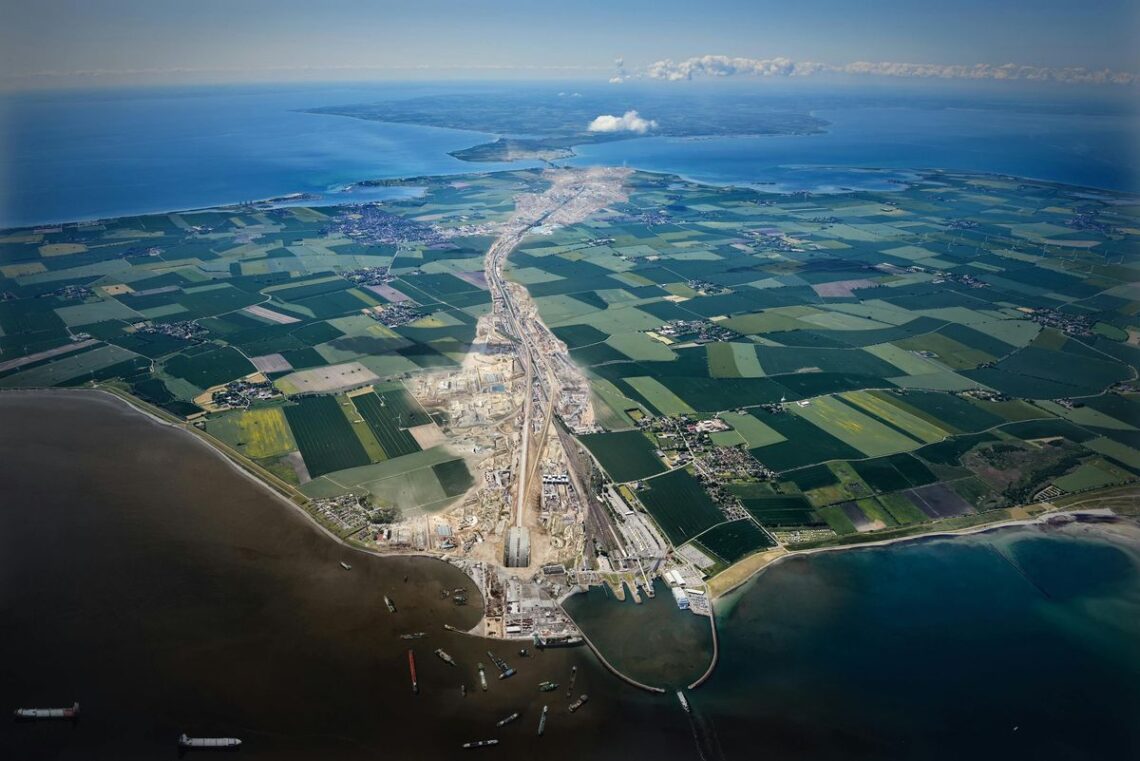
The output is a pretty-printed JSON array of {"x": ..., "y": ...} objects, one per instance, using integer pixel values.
[{"x": 93, "y": 154}]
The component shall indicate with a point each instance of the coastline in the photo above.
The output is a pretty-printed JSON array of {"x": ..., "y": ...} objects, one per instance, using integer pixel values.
[
  {"x": 1058, "y": 516},
  {"x": 1044, "y": 519}
]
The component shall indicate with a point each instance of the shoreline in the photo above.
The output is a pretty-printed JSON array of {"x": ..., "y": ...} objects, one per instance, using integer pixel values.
[
  {"x": 132, "y": 404},
  {"x": 1044, "y": 519},
  {"x": 281, "y": 198}
]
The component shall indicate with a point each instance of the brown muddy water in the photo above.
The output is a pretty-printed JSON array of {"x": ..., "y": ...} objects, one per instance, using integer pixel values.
[{"x": 143, "y": 576}]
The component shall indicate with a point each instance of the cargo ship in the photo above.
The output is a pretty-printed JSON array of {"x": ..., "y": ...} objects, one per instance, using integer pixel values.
[
  {"x": 542, "y": 721},
  {"x": 480, "y": 743},
  {"x": 208, "y": 743},
  {"x": 445, "y": 657},
  {"x": 412, "y": 669},
  {"x": 482, "y": 677},
  {"x": 391, "y": 605},
  {"x": 547, "y": 686},
  {"x": 581, "y": 701},
  {"x": 506, "y": 670},
  {"x": 573, "y": 678},
  {"x": 508, "y": 720},
  {"x": 556, "y": 640},
  {"x": 32, "y": 714},
  {"x": 346, "y": 566},
  {"x": 413, "y": 635}
]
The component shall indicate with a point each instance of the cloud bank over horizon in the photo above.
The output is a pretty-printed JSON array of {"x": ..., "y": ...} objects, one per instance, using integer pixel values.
[
  {"x": 630, "y": 121},
  {"x": 726, "y": 66}
]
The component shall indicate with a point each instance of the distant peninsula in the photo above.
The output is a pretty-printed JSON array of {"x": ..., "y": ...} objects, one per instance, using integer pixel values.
[{"x": 547, "y": 128}]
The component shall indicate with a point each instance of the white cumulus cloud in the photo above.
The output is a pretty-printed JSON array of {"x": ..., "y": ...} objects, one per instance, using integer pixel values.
[
  {"x": 725, "y": 66},
  {"x": 630, "y": 121}
]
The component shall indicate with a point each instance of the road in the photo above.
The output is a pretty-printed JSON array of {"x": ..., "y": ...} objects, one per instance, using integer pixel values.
[{"x": 572, "y": 196}]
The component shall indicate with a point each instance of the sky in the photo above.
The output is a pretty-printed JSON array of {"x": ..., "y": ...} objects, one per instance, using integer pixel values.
[{"x": 45, "y": 43}]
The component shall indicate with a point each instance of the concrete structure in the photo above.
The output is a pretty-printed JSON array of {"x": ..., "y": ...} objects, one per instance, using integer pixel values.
[{"x": 517, "y": 550}]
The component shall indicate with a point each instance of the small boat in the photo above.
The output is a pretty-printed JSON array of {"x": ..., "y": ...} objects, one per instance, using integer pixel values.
[
  {"x": 480, "y": 743},
  {"x": 445, "y": 657},
  {"x": 547, "y": 686},
  {"x": 507, "y": 674},
  {"x": 212, "y": 743},
  {"x": 508, "y": 720},
  {"x": 463, "y": 690},
  {"x": 31, "y": 714},
  {"x": 684, "y": 701},
  {"x": 391, "y": 605},
  {"x": 413, "y": 635},
  {"x": 581, "y": 701},
  {"x": 346, "y": 566}
]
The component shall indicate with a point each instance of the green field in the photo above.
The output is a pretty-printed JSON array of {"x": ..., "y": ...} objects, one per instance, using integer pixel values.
[
  {"x": 679, "y": 506},
  {"x": 324, "y": 436},
  {"x": 256, "y": 433},
  {"x": 625, "y": 455},
  {"x": 779, "y": 511},
  {"x": 384, "y": 422},
  {"x": 888, "y": 357},
  {"x": 208, "y": 366},
  {"x": 734, "y": 540},
  {"x": 869, "y": 436}
]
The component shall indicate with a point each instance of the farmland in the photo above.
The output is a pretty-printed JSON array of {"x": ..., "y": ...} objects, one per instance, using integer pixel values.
[
  {"x": 866, "y": 350},
  {"x": 679, "y": 505},
  {"x": 324, "y": 437},
  {"x": 385, "y": 424}
]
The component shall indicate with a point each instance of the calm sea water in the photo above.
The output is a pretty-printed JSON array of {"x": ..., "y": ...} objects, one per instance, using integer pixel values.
[
  {"x": 1097, "y": 150},
  {"x": 144, "y": 577},
  {"x": 110, "y": 153},
  {"x": 1015, "y": 644},
  {"x": 80, "y": 155}
]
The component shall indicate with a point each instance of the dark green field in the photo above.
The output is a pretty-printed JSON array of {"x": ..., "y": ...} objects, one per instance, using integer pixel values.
[
  {"x": 453, "y": 476},
  {"x": 777, "y": 511},
  {"x": 207, "y": 366},
  {"x": 735, "y": 540},
  {"x": 400, "y": 403},
  {"x": 384, "y": 423},
  {"x": 626, "y": 455},
  {"x": 324, "y": 436},
  {"x": 680, "y": 506}
]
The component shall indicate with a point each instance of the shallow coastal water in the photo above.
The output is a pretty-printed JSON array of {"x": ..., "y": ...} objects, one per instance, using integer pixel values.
[
  {"x": 145, "y": 577},
  {"x": 1014, "y": 644}
]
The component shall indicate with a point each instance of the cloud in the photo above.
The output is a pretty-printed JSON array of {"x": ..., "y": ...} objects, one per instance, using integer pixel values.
[
  {"x": 616, "y": 80},
  {"x": 725, "y": 66},
  {"x": 627, "y": 122}
]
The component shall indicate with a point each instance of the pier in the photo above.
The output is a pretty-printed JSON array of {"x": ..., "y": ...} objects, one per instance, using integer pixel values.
[{"x": 715, "y": 653}]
